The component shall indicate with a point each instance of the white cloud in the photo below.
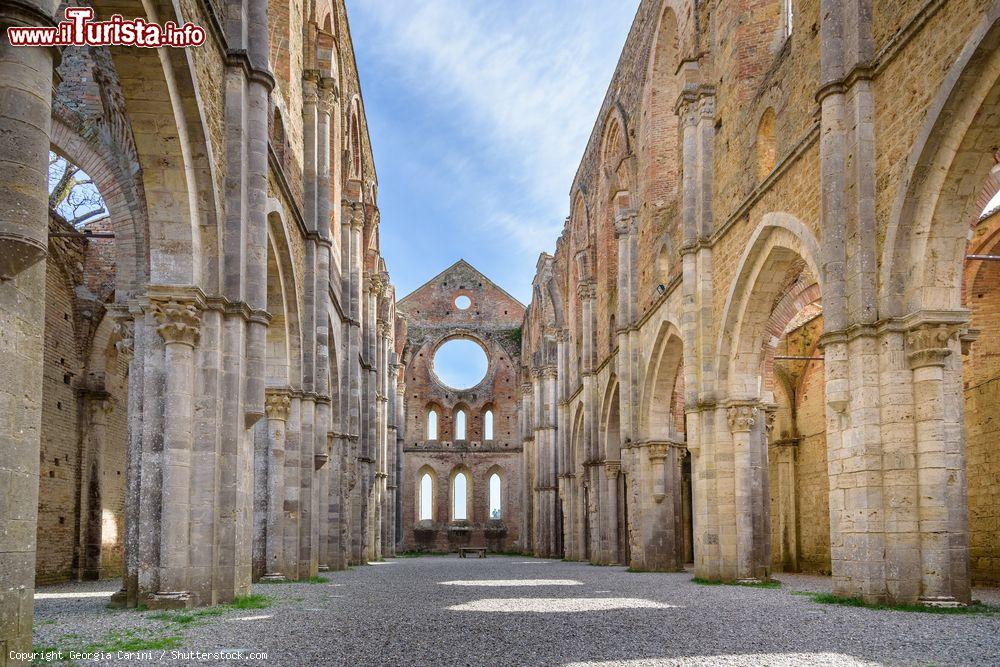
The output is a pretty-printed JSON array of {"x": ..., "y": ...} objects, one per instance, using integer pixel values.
[{"x": 526, "y": 80}]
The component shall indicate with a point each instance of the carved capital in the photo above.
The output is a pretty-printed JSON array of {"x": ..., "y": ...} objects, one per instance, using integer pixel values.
[
  {"x": 658, "y": 451},
  {"x": 587, "y": 290},
  {"x": 624, "y": 223},
  {"x": 376, "y": 284},
  {"x": 124, "y": 333},
  {"x": 927, "y": 345},
  {"x": 742, "y": 418},
  {"x": 179, "y": 321},
  {"x": 770, "y": 415},
  {"x": 276, "y": 404},
  {"x": 550, "y": 372},
  {"x": 612, "y": 468}
]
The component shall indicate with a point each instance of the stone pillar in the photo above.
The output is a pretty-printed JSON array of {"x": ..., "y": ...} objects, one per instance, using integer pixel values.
[
  {"x": 97, "y": 406},
  {"x": 277, "y": 406},
  {"x": 293, "y": 487},
  {"x": 787, "y": 503},
  {"x": 308, "y": 559},
  {"x": 25, "y": 113},
  {"x": 663, "y": 527},
  {"x": 610, "y": 505},
  {"x": 179, "y": 323},
  {"x": 741, "y": 422},
  {"x": 940, "y": 466}
]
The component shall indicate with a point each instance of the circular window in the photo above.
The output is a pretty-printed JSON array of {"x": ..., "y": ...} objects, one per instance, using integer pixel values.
[
  {"x": 460, "y": 363},
  {"x": 463, "y": 302}
]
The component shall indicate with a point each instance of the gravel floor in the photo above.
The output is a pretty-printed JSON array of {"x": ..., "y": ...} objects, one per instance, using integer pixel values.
[{"x": 521, "y": 611}]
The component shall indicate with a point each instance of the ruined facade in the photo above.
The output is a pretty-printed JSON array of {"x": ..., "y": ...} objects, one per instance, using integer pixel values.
[
  {"x": 195, "y": 383},
  {"x": 750, "y": 346},
  {"x": 469, "y": 432}
]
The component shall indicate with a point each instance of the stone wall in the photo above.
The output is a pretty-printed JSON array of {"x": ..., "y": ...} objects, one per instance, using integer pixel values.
[{"x": 493, "y": 320}]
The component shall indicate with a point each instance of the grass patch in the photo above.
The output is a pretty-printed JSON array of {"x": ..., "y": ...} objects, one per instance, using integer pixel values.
[
  {"x": 311, "y": 580},
  {"x": 135, "y": 640},
  {"x": 113, "y": 642},
  {"x": 976, "y": 608},
  {"x": 256, "y": 601},
  {"x": 770, "y": 583}
]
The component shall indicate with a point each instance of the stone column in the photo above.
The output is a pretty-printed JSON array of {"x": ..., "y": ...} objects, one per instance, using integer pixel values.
[
  {"x": 610, "y": 504},
  {"x": 939, "y": 462},
  {"x": 293, "y": 487},
  {"x": 787, "y": 503},
  {"x": 179, "y": 323},
  {"x": 276, "y": 405},
  {"x": 741, "y": 422},
  {"x": 25, "y": 113},
  {"x": 663, "y": 547},
  {"x": 97, "y": 406}
]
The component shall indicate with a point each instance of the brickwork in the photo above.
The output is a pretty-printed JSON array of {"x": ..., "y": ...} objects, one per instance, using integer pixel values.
[
  {"x": 492, "y": 319},
  {"x": 783, "y": 160}
]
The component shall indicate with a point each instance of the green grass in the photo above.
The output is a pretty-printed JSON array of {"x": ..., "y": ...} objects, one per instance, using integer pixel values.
[
  {"x": 310, "y": 580},
  {"x": 976, "y": 608},
  {"x": 135, "y": 640},
  {"x": 770, "y": 583},
  {"x": 143, "y": 639},
  {"x": 256, "y": 601}
]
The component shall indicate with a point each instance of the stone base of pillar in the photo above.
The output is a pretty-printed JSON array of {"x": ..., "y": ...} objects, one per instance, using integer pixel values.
[
  {"x": 170, "y": 600},
  {"x": 324, "y": 568},
  {"x": 944, "y": 602},
  {"x": 749, "y": 581},
  {"x": 274, "y": 577},
  {"x": 119, "y": 600}
]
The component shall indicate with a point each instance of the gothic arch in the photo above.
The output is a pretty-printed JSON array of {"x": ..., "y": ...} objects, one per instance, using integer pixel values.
[
  {"x": 924, "y": 251},
  {"x": 165, "y": 109},
  {"x": 779, "y": 246},
  {"x": 664, "y": 368}
]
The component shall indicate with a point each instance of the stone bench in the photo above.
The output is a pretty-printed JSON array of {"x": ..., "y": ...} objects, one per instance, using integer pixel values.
[{"x": 464, "y": 551}]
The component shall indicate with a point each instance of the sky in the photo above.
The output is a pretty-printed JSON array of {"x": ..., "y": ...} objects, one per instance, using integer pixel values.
[{"x": 479, "y": 112}]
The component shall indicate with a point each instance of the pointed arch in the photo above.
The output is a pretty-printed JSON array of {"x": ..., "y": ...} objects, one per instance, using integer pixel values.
[
  {"x": 925, "y": 244},
  {"x": 663, "y": 371},
  {"x": 779, "y": 247}
]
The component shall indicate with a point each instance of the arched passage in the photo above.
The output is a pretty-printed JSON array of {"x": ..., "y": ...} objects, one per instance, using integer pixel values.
[
  {"x": 782, "y": 253},
  {"x": 921, "y": 291},
  {"x": 664, "y": 527}
]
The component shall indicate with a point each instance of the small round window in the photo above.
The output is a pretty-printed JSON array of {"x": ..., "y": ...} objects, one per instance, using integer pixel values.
[{"x": 463, "y": 302}]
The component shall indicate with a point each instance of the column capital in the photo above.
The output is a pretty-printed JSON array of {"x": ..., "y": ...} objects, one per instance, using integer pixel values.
[
  {"x": 550, "y": 372},
  {"x": 123, "y": 332},
  {"x": 526, "y": 389},
  {"x": 613, "y": 468},
  {"x": 376, "y": 284},
  {"x": 179, "y": 320},
  {"x": 624, "y": 222},
  {"x": 586, "y": 290},
  {"x": 742, "y": 417},
  {"x": 276, "y": 404},
  {"x": 927, "y": 344}
]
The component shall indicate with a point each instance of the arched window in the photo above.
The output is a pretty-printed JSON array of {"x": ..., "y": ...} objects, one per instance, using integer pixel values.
[
  {"x": 426, "y": 497},
  {"x": 460, "y": 425},
  {"x": 460, "y": 511},
  {"x": 488, "y": 425},
  {"x": 432, "y": 424},
  {"x": 495, "y": 504}
]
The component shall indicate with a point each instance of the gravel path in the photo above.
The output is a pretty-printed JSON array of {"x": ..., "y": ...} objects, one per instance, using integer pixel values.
[{"x": 522, "y": 611}]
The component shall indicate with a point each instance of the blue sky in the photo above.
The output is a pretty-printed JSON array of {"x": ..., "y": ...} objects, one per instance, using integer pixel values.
[{"x": 479, "y": 111}]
